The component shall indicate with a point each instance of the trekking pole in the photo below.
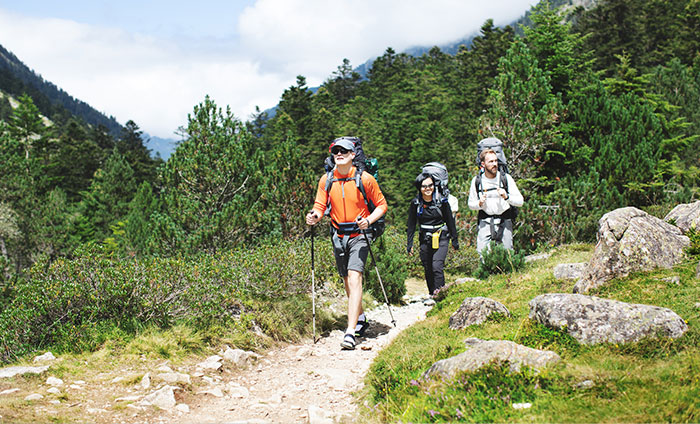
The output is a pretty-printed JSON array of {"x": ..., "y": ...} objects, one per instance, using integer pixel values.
[
  {"x": 376, "y": 268},
  {"x": 313, "y": 285}
]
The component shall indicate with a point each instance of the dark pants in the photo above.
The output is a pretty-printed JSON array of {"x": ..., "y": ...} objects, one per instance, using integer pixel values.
[{"x": 434, "y": 261}]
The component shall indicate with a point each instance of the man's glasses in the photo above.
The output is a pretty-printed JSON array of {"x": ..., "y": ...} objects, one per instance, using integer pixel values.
[
  {"x": 429, "y": 186},
  {"x": 339, "y": 150}
]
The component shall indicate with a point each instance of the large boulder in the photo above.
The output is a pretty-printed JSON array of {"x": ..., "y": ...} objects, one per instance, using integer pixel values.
[
  {"x": 480, "y": 353},
  {"x": 631, "y": 240},
  {"x": 475, "y": 310},
  {"x": 685, "y": 216},
  {"x": 592, "y": 320}
]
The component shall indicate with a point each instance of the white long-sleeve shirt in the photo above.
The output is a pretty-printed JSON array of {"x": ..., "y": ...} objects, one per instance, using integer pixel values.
[{"x": 494, "y": 204}]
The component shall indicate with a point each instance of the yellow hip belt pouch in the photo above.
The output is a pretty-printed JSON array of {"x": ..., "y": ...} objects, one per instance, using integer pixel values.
[{"x": 436, "y": 239}]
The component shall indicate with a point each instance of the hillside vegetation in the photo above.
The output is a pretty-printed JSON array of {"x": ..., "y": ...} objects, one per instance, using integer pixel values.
[{"x": 653, "y": 380}]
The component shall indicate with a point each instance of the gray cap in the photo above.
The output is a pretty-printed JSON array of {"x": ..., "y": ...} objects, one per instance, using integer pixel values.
[{"x": 344, "y": 143}]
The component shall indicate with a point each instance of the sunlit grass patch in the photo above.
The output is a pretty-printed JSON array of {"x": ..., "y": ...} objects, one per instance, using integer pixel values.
[{"x": 652, "y": 380}]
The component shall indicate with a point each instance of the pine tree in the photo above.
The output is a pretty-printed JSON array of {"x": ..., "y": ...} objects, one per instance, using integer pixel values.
[
  {"x": 26, "y": 124},
  {"x": 107, "y": 199},
  {"x": 477, "y": 67},
  {"x": 559, "y": 52},
  {"x": 343, "y": 84},
  {"x": 139, "y": 225},
  {"x": 210, "y": 186},
  {"x": 131, "y": 145},
  {"x": 523, "y": 112}
]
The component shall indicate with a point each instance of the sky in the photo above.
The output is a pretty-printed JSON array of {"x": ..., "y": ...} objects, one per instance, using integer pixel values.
[{"x": 153, "y": 61}]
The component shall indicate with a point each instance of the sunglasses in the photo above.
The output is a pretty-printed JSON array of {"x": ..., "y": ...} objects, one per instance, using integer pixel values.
[
  {"x": 337, "y": 150},
  {"x": 427, "y": 186}
]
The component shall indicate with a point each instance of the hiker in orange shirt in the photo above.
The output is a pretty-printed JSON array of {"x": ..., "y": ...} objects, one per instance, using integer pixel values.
[{"x": 351, "y": 213}]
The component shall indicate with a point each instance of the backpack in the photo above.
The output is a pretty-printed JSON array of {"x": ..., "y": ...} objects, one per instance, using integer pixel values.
[
  {"x": 438, "y": 173},
  {"x": 363, "y": 164},
  {"x": 497, "y": 146}
]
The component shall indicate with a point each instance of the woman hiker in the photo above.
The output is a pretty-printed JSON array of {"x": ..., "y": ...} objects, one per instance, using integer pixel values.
[{"x": 437, "y": 227}]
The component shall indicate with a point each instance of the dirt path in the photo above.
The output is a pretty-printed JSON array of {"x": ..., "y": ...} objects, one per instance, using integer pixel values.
[{"x": 307, "y": 382}]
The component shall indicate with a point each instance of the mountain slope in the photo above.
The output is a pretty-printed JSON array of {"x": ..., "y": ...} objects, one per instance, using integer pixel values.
[{"x": 17, "y": 79}]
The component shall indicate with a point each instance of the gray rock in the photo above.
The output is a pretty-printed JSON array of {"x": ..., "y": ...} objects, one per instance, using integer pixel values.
[
  {"x": 475, "y": 310},
  {"x": 163, "y": 398},
  {"x": 53, "y": 381},
  {"x": 537, "y": 256},
  {"x": 592, "y": 320},
  {"x": 572, "y": 271},
  {"x": 211, "y": 363},
  {"x": 685, "y": 216},
  {"x": 34, "y": 396},
  {"x": 13, "y": 371},
  {"x": 672, "y": 280},
  {"x": 482, "y": 352},
  {"x": 174, "y": 377},
  {"x": 631, "y": 240},
  {"x": 146, "y": 381},
  {"x": 319, "y": 416},
  {"x": 48, "y": 356},
  {"x": 240, "y": 358}
]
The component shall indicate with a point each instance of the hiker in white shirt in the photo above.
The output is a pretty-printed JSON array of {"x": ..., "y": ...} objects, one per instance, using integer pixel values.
[{"x": 496, "y": 199}]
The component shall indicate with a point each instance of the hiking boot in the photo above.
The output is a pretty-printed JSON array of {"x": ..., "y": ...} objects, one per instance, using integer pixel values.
[
  {"x": 348, "y": 342},
  {"x": 361, "y": 327}
]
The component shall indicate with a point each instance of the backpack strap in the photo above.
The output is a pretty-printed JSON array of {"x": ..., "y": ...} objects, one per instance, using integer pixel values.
[{"x": 503, "y": 181}]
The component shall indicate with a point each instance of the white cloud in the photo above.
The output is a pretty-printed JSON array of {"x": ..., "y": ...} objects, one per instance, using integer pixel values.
[
  {"x": 312, "y": 37},
  {"x": 156, "y": 82}
]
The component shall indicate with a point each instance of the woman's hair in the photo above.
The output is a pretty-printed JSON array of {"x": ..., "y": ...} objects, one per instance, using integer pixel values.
[{"x": 420, "y": 178}]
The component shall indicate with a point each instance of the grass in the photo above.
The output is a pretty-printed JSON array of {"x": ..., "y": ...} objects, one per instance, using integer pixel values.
[{"x": 647, "y": 381}]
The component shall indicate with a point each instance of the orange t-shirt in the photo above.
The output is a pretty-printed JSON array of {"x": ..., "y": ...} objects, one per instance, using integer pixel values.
[{"x": 347, "y": 202}]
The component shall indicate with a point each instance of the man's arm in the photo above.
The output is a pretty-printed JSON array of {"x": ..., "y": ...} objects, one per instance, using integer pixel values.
[
  {"x": 320, "y": 203},
  {"x": 515, "y": 198}
]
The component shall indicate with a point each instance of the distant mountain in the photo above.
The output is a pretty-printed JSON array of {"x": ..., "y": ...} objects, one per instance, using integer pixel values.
[
  {"x": 162, "y": 147},
  {"x": 17, "y": 79}
]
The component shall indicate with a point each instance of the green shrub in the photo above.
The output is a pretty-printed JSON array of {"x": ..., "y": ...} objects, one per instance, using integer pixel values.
[
  {"x": 463, "y": 261},
  {"x": 499, "y": 260},
  {"x": 693, "y": 248},
  {"x": 388, "y": 251},
  {"x": 73, "y": 305}
]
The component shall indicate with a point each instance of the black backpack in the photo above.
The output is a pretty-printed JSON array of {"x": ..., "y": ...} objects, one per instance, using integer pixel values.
[
  {"x": 438, "y": 173},
  {"x": 363, "y": 164},
  {"x": 497, "y": 146}
]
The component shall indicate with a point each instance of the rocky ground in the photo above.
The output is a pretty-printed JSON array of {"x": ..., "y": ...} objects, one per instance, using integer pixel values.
[{"x": 306, "y": 382}]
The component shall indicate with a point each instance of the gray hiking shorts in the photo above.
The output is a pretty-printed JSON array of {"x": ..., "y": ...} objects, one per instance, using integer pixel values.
[{"x": 352, "y": 256}]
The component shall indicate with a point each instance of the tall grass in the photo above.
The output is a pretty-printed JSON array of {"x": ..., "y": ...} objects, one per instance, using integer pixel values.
[{"x": 647, "y": 381}]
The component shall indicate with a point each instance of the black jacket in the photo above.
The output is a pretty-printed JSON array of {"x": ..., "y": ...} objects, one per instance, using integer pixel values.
[{"x": 432, "y": 214}]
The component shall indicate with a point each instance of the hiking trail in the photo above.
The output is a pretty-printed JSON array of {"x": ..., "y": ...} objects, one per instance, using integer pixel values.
[
  {"x": 291, "y": 383},
  {"x": 305, "y": 382}
]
